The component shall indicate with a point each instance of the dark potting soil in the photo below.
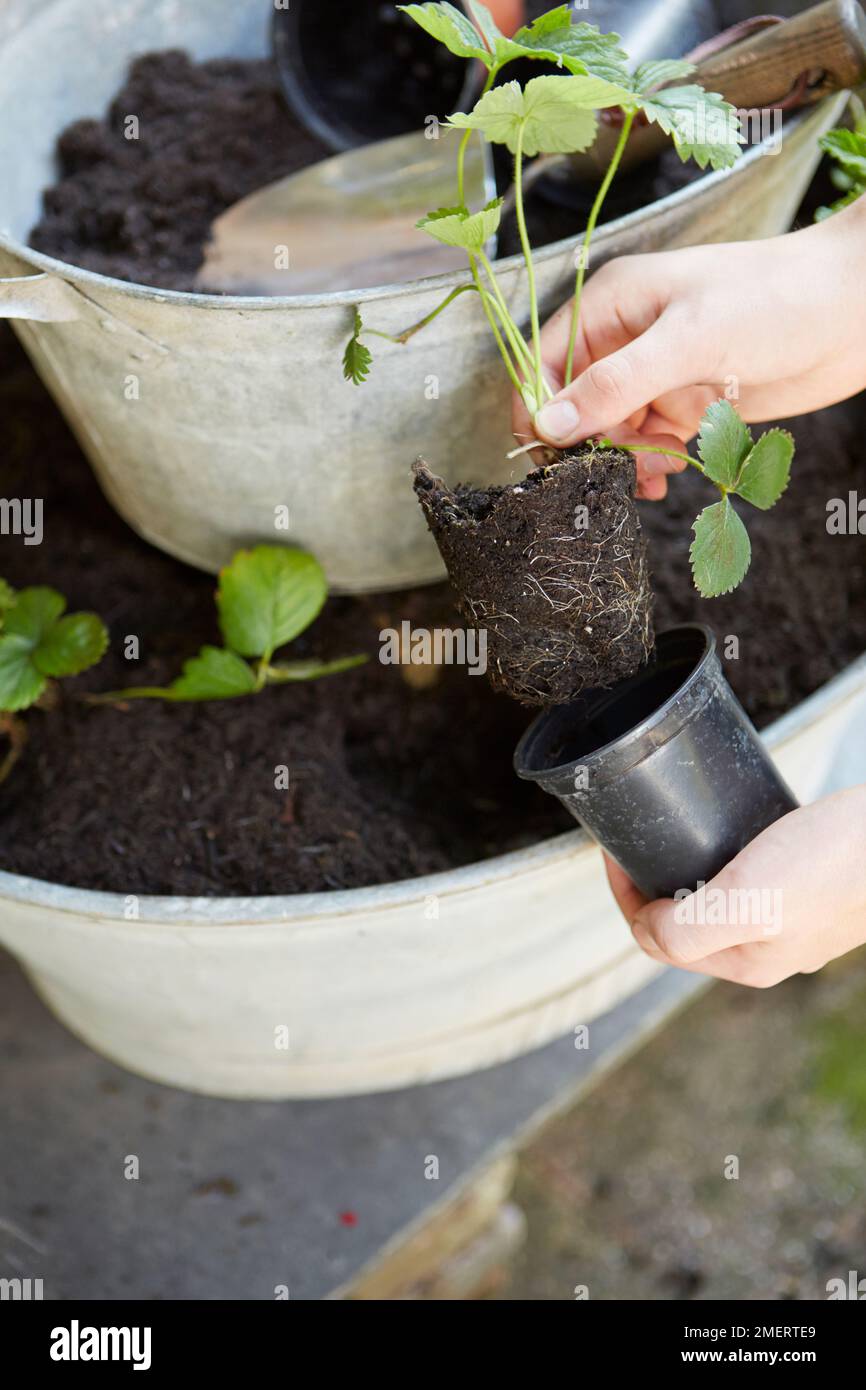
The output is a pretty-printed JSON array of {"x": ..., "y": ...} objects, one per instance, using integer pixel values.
[
  {"x": 553, "y": 571},
  {"x": 387, "y": 780},
  {"x": 210, "y": 134}
]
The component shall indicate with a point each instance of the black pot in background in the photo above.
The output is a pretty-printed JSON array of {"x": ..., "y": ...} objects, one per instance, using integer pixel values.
[
  {"x": 648, "y": 29},
  {"x": 666, "y": 771},
  {"x": 355, "y": 71}
]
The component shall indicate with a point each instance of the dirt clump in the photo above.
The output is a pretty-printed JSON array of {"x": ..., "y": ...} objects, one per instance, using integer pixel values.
[{"x": 552, "y": 569}]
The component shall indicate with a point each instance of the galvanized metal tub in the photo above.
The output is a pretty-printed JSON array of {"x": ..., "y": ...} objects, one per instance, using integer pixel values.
[
  {"x": 240, "y": 406},
  {"x": 374, "y": 989}
]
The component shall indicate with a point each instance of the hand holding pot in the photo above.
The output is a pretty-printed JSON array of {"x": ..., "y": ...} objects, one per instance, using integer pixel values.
[
  {"x": 776, "y": 325},
  {"x": 791, "y": 901}
]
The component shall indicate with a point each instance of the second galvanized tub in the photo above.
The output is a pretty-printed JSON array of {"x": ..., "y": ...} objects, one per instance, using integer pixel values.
[{"x": 239, "y": 405}]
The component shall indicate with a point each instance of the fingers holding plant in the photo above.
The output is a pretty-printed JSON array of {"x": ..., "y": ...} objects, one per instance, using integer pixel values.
[{"x": 635, "y": 346}]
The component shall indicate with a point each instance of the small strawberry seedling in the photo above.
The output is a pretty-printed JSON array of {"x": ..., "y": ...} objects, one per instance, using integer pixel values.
[
  {"x": 758, "y": 472},
  {"x": 39, "y": 644},
  {"x": 266, "y": 598}
]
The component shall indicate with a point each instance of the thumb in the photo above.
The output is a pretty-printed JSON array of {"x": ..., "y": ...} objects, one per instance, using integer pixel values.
[
  {"x": 615, "y": 388},
  {"x": 711, "y": 920}
]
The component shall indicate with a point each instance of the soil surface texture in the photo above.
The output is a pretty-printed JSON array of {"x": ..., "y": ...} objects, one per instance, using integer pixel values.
[
  {"x": 552, "y": 570},
  {"x": 208, "y": 135}
]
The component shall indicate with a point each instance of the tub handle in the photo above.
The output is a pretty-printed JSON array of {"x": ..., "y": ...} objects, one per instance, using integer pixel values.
[{"x": 43, "y": 297}]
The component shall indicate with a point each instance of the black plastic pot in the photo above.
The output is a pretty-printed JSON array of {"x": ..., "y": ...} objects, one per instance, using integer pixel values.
[
  {"x": 666, "y": 770},
  {"x": 363, "y": 71},
  {"x": 649, "y": 29}
]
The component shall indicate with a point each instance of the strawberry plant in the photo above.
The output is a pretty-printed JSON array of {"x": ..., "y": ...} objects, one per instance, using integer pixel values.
[
  {"x": 557, "y": 115},
  {"x": 549, "y": 115},
  {"x": 266, "y": 598},
  {"x": 39, "y": 644},
  {"x": 847, "y": 149}
]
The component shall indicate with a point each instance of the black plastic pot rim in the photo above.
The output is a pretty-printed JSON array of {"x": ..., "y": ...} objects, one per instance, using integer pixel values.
[
  {"x": 617, "y": 757},
  {"x": 337, "y": 134}
]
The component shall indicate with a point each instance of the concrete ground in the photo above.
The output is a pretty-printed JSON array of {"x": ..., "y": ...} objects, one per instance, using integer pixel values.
[{"x": 633, "y": 1195}]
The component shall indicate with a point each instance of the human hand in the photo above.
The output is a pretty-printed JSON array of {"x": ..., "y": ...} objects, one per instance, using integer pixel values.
[
  {"x": 776, "y": 325},
  {"x": 792, "y": 900}
]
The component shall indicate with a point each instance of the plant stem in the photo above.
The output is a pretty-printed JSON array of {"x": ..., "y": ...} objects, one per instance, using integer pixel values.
[
  {"x": 519, "y": 346},
  {"x": 671, "y": 454},
  {"x": 312, "y": 670},
  {"x": 16, "y": 733},
  {"x": 262, "y": 668},
  {"x": 489, "y": 305},
  {"x": 587, "y": 240},
  {"x": 464, "y": 143},
  {"x": 408, "y": 333},
  {"x": 530, "y": 267}
]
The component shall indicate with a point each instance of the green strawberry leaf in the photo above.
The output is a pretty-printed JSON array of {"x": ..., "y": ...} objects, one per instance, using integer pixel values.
[
  {"x": 848, "y": 148},
  {"x": 267, "y": 596},
  {"x": 723, "y": 443},
  {"x": 311, "y": 670},
  {"x": 659, "y": 71},
  {"x": 703, "y": 125},
  {"x": 767, "y": 470},
  {"x": 451, "y": 27},
  {"x": 72, "y": 645},
  {"x": 7, "y": 600},
  {"x": 214, "y": 674},
  {"x": 357, "y": 359},
  {"x": 20, "y": 682},
  {"x": 484, "y": 23},
  {"x": 721, "y": 551},
  {"x": 555, "y": 114},
  {"x": 460, "y": 227},
  {"x": 552, "y": 37},
  {"x": 579, "y": 48},
  {"x": 39, "y": 642},
  {"x": 35, "y": 613}
]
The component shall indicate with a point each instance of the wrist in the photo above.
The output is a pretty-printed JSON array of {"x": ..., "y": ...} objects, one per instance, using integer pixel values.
[{"x": 835, "y": 255}]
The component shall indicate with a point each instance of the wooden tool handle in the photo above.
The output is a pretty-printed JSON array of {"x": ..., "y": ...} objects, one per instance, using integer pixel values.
[
  {"x": 827, "y": 42},
  {"x": 825, "y": 46}
]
